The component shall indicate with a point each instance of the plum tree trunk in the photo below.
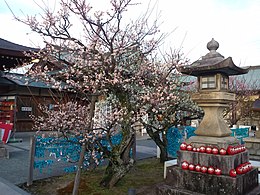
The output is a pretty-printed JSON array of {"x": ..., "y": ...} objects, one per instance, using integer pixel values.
[
  {"x": 160, "y": 141},
  {"x": 119, "y": 165}
]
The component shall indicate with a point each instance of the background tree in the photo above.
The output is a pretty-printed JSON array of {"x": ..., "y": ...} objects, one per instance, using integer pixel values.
[{"x": 242, "y": 106}]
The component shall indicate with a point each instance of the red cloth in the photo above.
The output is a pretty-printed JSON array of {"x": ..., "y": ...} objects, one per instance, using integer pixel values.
[{"x": 6, "y": 132}]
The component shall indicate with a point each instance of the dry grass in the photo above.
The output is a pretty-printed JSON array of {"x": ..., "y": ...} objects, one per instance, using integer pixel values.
[{"x": 146, "y": 173}]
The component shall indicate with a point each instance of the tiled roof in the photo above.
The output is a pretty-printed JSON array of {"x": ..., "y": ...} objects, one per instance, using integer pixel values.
[{"x": 4, "y": 44}]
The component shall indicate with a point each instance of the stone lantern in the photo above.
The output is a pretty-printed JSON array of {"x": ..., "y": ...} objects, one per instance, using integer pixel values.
[
  {"x": 212, "y": 72},
  {"x": 212, "y": 162}
]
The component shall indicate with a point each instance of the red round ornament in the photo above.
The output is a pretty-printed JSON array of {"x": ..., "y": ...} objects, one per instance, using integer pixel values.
[
  {"x": 208, "y": 150},
  {"x": 194, "y": 149},
  {"x": 233, "y": 173},
  {"x": 230, "y": 150},
  {"x": 250, "y": 166},
  {"x": 185, "y": 165},
  {"x": 202, "y": 149},
  {"x": 191, "y": 167},
  {"x": 198, "y": 149},
  {"x": 215, "y": 150},
  {"x": 240, "y": 149},
  {"x": 244, "y": 169},
  {"x": 218, "y": 171},
  {"x": 247, "y": 167},
  {"x": 211, "y": 170},
  {"x": 236, "y": 150},
  {"x": 183, "y": 146},
  {"x": 243, "y": 148},
  {"x": 222, "y": 151},
  {"x": 189, "y": 147},
  {"x": 239, "y": 169},
  {"x": 204, "y": 169},
  {"x": 198, "y": 168}
]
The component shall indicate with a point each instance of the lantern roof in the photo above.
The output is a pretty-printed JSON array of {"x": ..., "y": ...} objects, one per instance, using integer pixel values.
[{"x": 212, "y": 63}]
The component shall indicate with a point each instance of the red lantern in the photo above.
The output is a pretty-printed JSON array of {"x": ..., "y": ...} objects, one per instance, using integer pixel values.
[
  {"x": 198, "y": 149},
  {"x": 211, "y": 170},
  {"x": 191, "y": 167},
  {"x": 208, "y": 150},
  {"x": 189, "y": 147},
  {"x": 183, "y": 146},
  {"x": 218, "y": 171},
  {"x": 222, "y": 151},
  {"x": 198, "y": 168},
  {"x": 204, "y": 169},
  {"x": 185, "y": 165},
  {"x": 233, "y": 173},
  {"x": 215, "y": 150},
  {"x": 202, "y": 149},
  {"x": 194, "y": 149}
]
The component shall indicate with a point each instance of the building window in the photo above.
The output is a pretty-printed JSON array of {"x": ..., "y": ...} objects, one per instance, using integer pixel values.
[
  {"x": 224, "y": 82},
  {"x": 208, "y": 82}
]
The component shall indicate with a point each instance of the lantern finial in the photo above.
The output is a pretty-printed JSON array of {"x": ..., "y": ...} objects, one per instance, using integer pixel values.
[{"x": 212, "y": 45}]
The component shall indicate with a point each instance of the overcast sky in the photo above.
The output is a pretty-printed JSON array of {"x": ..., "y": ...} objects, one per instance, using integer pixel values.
[{"x": 235, "y": 24}]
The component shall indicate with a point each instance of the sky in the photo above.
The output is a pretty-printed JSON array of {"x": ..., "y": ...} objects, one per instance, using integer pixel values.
[{"x": 235, "y": 24}]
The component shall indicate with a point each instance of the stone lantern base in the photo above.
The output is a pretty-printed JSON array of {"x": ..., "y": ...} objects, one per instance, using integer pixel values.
[
  {"x": 181, "y": 182},
  {"x": 186, "y": 182}
]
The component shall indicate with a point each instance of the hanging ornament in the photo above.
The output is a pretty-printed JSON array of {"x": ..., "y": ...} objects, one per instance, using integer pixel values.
[
  {"x": 183, "y": 146},
  {"x": 218, "y": 171},
  {"x": 208, "y": 150},
  {"x": 202, "y": 149},
  {"x": 191, "y": 167},
  {"x": 230, "y": 150},
  {"x": 185, "y": 165},
  {"x": 215, "y": 150},
  {"x": 198, "y": 168},
  {"x": 189, "y": 147},
  {"x": 239, "y": 169},
  {"x": 233, "y": 173},
  {"x": 222, "y": 151},
  {"x": 204, "y": 169},
  {"x": 211, "y": 170}
]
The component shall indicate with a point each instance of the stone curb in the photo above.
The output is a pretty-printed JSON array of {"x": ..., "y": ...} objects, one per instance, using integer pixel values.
[{"x": 8, "y": 188}]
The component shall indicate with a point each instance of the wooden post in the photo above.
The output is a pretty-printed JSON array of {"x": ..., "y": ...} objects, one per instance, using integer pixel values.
[
  {"x": 134, "y": 147},
  {"x": 83, "y": 147},
  {"x": 31, "y": 160},
  {"x": 80, "y": 164}
]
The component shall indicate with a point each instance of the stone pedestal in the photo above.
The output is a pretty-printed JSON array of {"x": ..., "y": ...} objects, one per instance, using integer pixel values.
[
  {"x": 186, "y": 182},
  {"x": 223, "y": 162},
  {"x": 213, "y": 104},
  {"x": 190, "y": 182}
]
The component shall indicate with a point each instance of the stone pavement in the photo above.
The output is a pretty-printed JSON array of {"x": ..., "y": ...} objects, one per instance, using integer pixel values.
[{"x": 15, "y": 170}]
